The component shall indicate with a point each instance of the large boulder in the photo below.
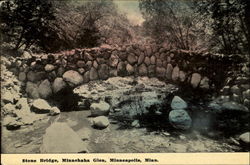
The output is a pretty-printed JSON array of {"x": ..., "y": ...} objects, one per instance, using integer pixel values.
[
  {"x": 101, "y": 122},
  {"x": 88, "y": 57},
  {"x": 130, "y": 69},
  {"x": 204, "y": 84},
  {"x": 73, "y": 78},
  {"x": 80, "y": 63},
  {"x": 178, "y": 103},
  {"x": 151, "y": 70},
  {"x": 121, "y": 69},
  {"x": 44, "y": 89},
  {"x": 160, "y": 72},
  {"x": 246, "y": 94},
  {"x": 35, "y": 76},
  {"x": 182, "y": 76},
  {"x": 86, "y": 77},
  {"x": 99, "y": 109},
  {"x": 58, "y": 85},
  {"x": 195, "y": 80},
  {"x": 147, "y": 61},
  {"x": 142, "y": 70},
  {"x": 169, "y": 71},
  {"x": 152, "y": 60},
  {"x": 132, "y": 59},
  {"x": 60, "y": 138},
  {"x": 113, "y": 61},
  {"x": 180, "y": 119},
  {"x": 233, "y": 106},
  {"x": 40, "y": 106},
  {"x": 176, "y": 73},
  {"x": 93, "y": 74},
  {"x": 235, "y": 90},
  {"x": 141, "y": 59},
  {"x": 32, "y": 90},
  {"x": 103, "y": 71},
  {"x": 22, "y": 76}
]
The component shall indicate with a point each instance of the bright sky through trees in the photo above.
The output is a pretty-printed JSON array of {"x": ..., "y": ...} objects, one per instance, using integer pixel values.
[{"x": 131, "y": 8}]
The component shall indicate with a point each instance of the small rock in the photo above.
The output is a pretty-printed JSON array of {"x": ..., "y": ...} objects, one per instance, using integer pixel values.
[
  {"x": 8, "y": 108},
  {"x": 99, "y": 109},
  {"x": 23, "y": 105},
  {"x": 245, "y": 138},
  {"x": 178, "y": 103},
  {"x": 135, "y": 123},
  {"x": 11, "y": 123},
  {"x": 166, "y": 134},
  {"x": 40, "y": 106},
  {"x": 101, "y": 122},
  {"x": 195, "y": 79},
  {"x": 180, "y": 119},
  {"x": 225, "y": 90},
  {"x": 204, "y": 84},
  {"x": 26, "y": 55},
  {"x": 246, "y": 94},
  {"x": 54, "y": 111},
  {"x": 49, "y": 67},
  {"x": 7, "y": 97},
  {"x": 182, "y": 137},
  {"x": 234, "y": 106},
  {"x": 235, "y": 90}
]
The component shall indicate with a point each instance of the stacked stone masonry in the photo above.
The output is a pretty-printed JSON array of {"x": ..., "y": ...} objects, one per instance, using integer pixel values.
[{"x": 45, "y": 74}]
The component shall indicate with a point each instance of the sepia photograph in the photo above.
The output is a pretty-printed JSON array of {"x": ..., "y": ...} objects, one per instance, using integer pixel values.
[{"x": 124, "y": 76}]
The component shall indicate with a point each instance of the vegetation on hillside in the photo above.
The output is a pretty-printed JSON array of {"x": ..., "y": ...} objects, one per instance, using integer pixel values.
[{"x": 205, "y": 25}]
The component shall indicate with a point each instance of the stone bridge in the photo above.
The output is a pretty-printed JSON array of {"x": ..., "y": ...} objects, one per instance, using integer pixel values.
[{"x": 46, "y": 74}]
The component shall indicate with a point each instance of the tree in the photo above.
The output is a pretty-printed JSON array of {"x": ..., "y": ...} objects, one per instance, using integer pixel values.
[
  {"x": 173, "y": 22},
  {"x": 25, "y": 22},
  {"x": 230, "y": 24}
]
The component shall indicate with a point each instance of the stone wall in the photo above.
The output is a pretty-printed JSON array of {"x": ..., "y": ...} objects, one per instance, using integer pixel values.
[{"x": 45, "y": 74}]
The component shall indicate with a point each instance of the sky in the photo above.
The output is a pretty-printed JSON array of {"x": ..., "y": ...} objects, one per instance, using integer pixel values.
[{"x": 131, "y": 8}]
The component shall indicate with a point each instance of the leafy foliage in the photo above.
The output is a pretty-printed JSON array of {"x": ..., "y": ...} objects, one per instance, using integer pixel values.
[
  {"x": 25, "y": 21},
  {"x": 173, "y": 22},
  {"x": 230, "y": 23}
]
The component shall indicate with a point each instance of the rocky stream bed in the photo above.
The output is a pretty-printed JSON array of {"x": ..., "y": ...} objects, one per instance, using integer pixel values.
[{"x": 118, "y": 115}]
